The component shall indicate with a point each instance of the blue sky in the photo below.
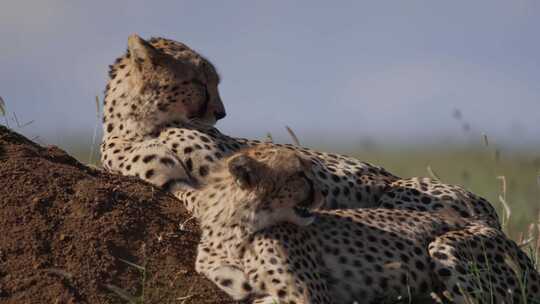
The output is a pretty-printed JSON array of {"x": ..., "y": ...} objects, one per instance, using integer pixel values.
[{"x": 335, "y": 71}]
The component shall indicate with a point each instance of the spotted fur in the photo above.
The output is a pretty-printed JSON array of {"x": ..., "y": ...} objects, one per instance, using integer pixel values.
[
  {"x": 259, "y": 241},
  {"x": 161, "y": 102}
]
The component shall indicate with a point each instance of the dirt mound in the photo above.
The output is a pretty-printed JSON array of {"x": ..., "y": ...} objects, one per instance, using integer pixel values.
[{"x": 72, "y": 234}]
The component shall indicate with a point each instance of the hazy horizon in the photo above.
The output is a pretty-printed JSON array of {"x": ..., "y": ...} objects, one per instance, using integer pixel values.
[{"x": 370, "y": 72}]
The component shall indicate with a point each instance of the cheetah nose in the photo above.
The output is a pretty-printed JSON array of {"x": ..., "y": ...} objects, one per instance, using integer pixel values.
[{"x": 219, "y": 114}]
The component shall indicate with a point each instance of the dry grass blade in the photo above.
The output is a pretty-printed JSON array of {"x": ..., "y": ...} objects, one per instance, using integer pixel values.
[
  {"x": 16, "y": 120},
  {"x": 188, "y": 296},
  {"x": 269, "y": 138},
  {"x": 182, "y": 226},
  {"x": 432, "y": 173},
  {"x": 97, "y": 107},
  {"x": 184, "y": 299},
  {"x": 122, "y": 293},
  {"x": 502, "y": 178},
  {"x": 507, "y": 210},
  {"x": 536, "y": 249},
  {"x": 19, "y": 125},
  {"x": 293, "y": 136},
  {"x": 2, "y": 107},
  {"x": 3, "y": 111},
  {"x": 91, "y": 156},
  {"x": 27, "y": 123},
  {"x": 519, "y": 273},
  {"x": 486, "y": 141},
  {"x": 139, "y": 267},
  {"x": 529, "y": 237}
]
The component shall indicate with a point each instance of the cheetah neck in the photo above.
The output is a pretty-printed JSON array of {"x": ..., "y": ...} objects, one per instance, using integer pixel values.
[
  {"x": 127, "y": 126},
  {"x": 213, "y": 212},
  {"x": 124, "y": 118},
  {"x": 121, "y": 114}
]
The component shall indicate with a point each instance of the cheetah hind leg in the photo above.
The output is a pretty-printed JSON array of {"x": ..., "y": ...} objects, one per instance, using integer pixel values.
[{"x": 479, "y": 264}]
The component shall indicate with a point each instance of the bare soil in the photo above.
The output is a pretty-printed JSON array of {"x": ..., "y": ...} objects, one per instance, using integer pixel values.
[{"x": 68, "y": 234}]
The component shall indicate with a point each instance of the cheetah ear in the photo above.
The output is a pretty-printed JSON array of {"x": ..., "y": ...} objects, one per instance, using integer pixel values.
[
  {"x": 244, "y": 169},
  {"x": 141, "y": 51}
]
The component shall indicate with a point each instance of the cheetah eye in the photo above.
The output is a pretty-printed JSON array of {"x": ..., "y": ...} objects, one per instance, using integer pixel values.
[
  {"x": 300, "y": 175},
  {"x": 201, "y": 87},
  {"x": 306, "y": 187},
  {"x": 197, "y": 82},
  {"x": 203, "y": 108},
  {"x": 299, "y": 181}
]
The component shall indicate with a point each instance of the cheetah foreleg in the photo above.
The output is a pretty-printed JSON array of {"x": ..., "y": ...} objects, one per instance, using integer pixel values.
[
  {"x": 225, "y": 272},
  {"x": 231, "y": 280}
]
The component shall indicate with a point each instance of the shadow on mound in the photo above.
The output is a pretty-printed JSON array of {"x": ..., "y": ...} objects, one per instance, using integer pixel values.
[{"x": 68, "y": 234}]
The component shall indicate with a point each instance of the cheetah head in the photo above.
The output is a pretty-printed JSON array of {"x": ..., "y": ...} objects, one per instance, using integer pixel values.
[
  {"x": 161, "y": 81},
  {"x": 259, "y": 187}
]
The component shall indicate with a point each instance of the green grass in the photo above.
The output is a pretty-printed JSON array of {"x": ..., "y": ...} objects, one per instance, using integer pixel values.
[{"x": 479, "y": 170}]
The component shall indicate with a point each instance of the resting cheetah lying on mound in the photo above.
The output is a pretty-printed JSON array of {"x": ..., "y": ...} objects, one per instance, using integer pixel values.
[
  {"x": 257, "y": 208},
  {"x": 160, "y": 105}
]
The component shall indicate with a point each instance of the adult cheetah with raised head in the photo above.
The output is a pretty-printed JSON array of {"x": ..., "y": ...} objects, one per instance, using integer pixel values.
[
  {"x": 160, "y": 106},
  {"x": 258, "y": 207}
]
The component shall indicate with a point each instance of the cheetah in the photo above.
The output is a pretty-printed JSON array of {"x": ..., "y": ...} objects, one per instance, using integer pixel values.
[
  {"x": 260, "y": 208},
  {"x": 161, "y": 104}
]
